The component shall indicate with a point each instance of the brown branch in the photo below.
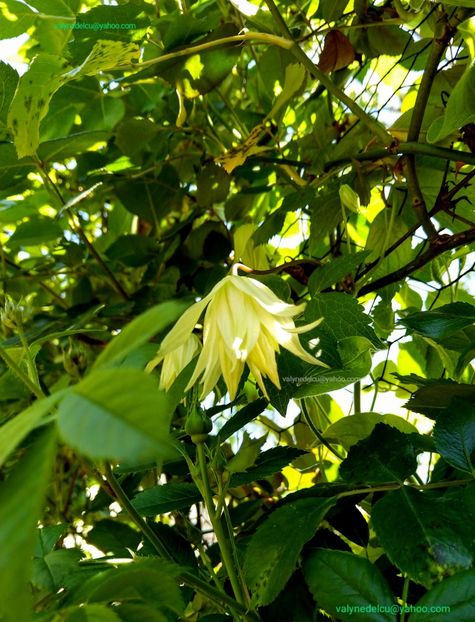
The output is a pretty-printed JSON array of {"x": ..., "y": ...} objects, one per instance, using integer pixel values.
[{"x": 440, "y": 245}]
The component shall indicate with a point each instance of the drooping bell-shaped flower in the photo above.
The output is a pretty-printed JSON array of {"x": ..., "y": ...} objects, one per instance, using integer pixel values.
[
  {"x": 175, "y": 361},
  {"x": 244, "y": 323}
]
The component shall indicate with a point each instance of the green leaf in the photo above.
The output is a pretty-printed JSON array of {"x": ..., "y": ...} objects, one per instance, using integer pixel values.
[
  {"x": 295, "y": 75},
  {"x": 200, "y": 73},
  {"x": 425, "y": 537},
  {"x": 16, "y": 18},
  {"x": 355, "y": 356},
  {"x": 387, "y": 455},
  {"x": 45, "y": 76},
  {"x": 443, "y": 321},
  {"x": 18, "y": 428},
  {"x": 21, "y": 501},
  {"x": 342, "y": 316},
  {"x": 269, "y": 462},
  {"x": 8, "y": 84},
  {"x": 50, "y": 572},
  {"x": 151, "y": 198},
  {"x": 58, "y": 149},
  {"x": 48, "y": 537},
  {"x": 139, "y": 331},
  {"x": 347, "y": 431},
  {"x": 166, "y": 498},
  {"x": 459, "y": 111},
  {"x": 117, "y": 414},
  {"x": 326, "y": 214},
  {"x": 213, "y": 185},
  {"x": 273, "y": 550},
  {"x": 31, "y": 101},
  {"x": 435, "y": 398},
  {"x": 110, "y": 536},
  {"x": 455, "y": 594},
  {"x": 334, "y": 271},
  {"x": 454, "y": 434},
  {"x": 34, "y": 232},
  {"x": 241, "y": 418},
  {"x": 149, "y": 581},
  {"x": 340, "y": 581}
]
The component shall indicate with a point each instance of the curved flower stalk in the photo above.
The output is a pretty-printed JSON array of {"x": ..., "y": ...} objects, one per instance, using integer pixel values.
[{"x": 244, "y": 323}]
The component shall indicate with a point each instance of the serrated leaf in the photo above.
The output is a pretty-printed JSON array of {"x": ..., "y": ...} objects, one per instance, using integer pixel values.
[
  {"x": 456, "y": 594},
  {"x": 355, "y": 356},
  {"x": 334, "y": 271},
  {"x": 166, "y": 498},
  {"x": 434, "y": 398},
  {"x": 454, "y": 434},
  {"x": 347, "y": 431},
  {"x": 148, "y": 581},
  {"x": 269, "y": 462},
  {"x": 387, "y": 455},
  {"x": 342, "y": 316},
  {"x": 273, "y": 550},
  {"x": 425, "y": 537},
  {"x": 339, "y": 581},
  {"x": 441, "y": 322}
]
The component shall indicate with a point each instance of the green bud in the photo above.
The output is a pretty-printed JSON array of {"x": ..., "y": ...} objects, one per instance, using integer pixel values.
[{"x": 198, "y": 426}]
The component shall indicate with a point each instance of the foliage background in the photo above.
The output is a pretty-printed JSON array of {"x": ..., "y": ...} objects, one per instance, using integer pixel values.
[{"x": 343, "y": 132}]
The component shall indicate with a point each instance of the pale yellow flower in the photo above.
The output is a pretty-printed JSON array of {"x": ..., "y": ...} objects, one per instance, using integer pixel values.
[
  {"x": 175, "y": 361},
  {"x": 244, "y": 323}
]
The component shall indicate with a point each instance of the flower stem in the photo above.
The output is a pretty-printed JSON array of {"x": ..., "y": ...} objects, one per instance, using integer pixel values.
[
  {"x": 223, "y": 543},
  {"x": 221, "y": 598}
]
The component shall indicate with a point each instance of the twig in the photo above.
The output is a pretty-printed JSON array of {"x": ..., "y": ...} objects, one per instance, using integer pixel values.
[
  {"x": 442, "y": 244},
  {"x": 80, "y": 232}
]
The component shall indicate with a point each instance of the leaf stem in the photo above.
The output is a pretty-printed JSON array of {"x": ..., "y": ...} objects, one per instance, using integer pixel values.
[
  {"x": 398, "y": 485},
  {"x": 317, "y": 432}
]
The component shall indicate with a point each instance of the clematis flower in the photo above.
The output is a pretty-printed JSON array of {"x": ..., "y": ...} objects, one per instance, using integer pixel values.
[
  {"x": 175, "y": 361},
  {"x": 245, "y": 323}
]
